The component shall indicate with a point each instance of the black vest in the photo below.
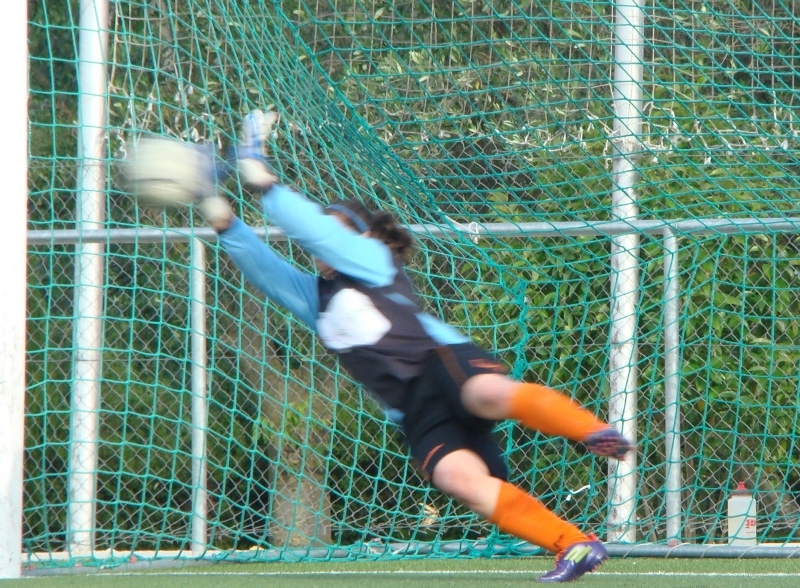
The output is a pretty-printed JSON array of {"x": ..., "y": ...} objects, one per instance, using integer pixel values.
[{"x": 375, "y": 332}]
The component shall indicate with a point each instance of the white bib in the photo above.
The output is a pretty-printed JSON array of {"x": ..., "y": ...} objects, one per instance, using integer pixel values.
[{"x": 350, "y": 320}]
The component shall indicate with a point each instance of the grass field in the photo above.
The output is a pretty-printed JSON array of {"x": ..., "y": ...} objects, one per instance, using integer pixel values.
[{"x": 439, "y": 573}]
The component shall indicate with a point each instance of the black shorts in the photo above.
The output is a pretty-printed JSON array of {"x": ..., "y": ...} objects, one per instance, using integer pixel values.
[{"x": 436, "y": 423}]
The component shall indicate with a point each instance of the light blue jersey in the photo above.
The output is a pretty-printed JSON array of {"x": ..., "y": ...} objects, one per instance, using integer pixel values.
[
  {"x": 363, "y": 259},
  {"x": 367, "y": 312}
]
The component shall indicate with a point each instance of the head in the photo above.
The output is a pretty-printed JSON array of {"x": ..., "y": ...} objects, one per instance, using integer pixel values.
[{"x": 380, "y": 225}]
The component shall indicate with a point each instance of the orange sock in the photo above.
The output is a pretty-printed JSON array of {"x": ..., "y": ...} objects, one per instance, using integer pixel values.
[
  {"x": 552, "y": 413},
  {"x": 520, "y": 514}
]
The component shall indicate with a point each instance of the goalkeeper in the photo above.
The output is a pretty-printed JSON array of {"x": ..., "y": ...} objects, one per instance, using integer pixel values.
[{"x": 445, "y": 393}]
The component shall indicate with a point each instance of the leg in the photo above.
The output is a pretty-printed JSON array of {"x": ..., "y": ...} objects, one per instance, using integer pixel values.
[
  {"x": 464, "y": 476},
  {"x": 462, "y": 458},
  {"x": 478, "y": 386},
  {"x": 496, "y": 396},
  {"x": 448, "y": 428}
]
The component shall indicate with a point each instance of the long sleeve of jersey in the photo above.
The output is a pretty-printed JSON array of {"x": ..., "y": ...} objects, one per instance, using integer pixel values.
[
  {"x": 362, "y": 258},
  {"x": 273, "y": 275}
]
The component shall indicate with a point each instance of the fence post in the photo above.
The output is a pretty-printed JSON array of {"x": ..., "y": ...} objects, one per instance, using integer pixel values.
[
  {"x": 199, "y": 398},
  {"x": 88, "y": 325},
  {"x": 672, "y": 386}
]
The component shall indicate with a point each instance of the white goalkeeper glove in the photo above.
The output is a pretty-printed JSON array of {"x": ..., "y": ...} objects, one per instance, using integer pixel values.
[
  {"x": 216, "y": 210},
  {"x": 164, "y": 172},
  {"x": 251, "y": 154}
]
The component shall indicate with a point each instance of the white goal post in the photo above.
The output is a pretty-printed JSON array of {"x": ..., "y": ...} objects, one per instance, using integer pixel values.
[{"x": 13, "y": 269}]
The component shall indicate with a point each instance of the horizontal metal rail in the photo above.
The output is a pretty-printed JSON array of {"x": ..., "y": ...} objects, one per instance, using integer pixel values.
[{"x": 542, "y": 229}]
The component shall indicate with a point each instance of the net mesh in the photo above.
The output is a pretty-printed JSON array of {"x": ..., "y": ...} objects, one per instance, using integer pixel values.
[{"x": 452, "y": 115}]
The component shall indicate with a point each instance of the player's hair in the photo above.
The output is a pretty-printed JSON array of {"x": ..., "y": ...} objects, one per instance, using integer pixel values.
[{"x": 382, "y": 224}]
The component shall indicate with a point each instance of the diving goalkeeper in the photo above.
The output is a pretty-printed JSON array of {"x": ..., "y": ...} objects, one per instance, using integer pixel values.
[{"x": 445, "y": 393}]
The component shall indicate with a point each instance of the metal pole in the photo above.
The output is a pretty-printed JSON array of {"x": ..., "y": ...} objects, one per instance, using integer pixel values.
[
  {"x": 712, "y": 226},
  {"x": 672, "y": 387},
  {"x": 199, "y": 399},
  {"x": 88, "y": 323},
  {"x": 13, "y": 269},
  {"x": 623, "y": 372}
]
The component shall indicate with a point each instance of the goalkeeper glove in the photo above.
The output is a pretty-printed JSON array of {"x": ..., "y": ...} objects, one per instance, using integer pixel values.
[
  {"x": 250, "y": 153},
  {"x": 216, "y": 211},
  {"x": 166, "y": 172}
]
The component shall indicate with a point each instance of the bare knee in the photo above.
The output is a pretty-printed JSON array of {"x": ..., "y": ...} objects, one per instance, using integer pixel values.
[
  {"x": 465, "y": 477},
  {"x": 488, "y": 395},
  {"x": 452, "y": 477}
]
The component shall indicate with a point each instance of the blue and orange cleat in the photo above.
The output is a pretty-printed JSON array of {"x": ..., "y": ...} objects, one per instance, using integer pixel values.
[
  {"x": 576, "y": 560},
  {"x": 608, "y": 443}
]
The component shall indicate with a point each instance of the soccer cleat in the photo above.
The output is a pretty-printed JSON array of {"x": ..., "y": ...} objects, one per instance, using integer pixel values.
[
  {"x": 608, "y": 443},
  {"x": 577, "y": 560}
]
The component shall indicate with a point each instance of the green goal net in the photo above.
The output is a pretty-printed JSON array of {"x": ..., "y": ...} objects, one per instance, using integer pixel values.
[{"x": 172, "y": 411}]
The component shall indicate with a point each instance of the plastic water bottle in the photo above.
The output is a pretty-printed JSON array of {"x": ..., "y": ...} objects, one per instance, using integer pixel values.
[{"x": 742, "y": 517}]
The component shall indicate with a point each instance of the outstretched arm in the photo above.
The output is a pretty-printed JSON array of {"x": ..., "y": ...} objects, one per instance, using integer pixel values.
[
  {"x": 323, "y": 236},
  {"x": 273, "y": 275}
]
